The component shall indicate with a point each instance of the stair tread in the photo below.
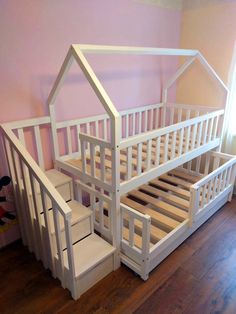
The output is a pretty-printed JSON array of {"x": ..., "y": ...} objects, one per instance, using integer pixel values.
[
  {"x": 88, "y": 253},
  {"x": 79, "y": 213},
  {"x": 57, "y": 178}
]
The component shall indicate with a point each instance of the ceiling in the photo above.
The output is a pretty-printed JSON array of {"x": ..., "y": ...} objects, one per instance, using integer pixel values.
[
  {"x": 170, "y": 4},
  {"x": 184, "y": 4}
]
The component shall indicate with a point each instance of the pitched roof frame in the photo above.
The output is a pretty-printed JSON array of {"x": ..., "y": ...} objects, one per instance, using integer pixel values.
[
  {"x": 198, "y": 56},
  {"x": 76, "y": 53}
]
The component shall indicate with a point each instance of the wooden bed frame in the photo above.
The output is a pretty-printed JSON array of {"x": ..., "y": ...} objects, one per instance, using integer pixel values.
[{"x": 144, "y": 179}]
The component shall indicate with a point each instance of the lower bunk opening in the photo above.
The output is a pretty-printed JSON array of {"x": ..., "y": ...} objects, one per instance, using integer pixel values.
[{"x": 177, "y": 203}]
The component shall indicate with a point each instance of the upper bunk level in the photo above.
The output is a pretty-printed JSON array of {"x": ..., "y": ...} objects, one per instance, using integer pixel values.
[
  {"x": 121, "y": 150},
  {"x": 127, "y": 148}
]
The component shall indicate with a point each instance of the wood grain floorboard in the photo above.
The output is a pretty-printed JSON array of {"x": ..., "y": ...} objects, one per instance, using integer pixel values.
[{"x": 198, "y": 277}]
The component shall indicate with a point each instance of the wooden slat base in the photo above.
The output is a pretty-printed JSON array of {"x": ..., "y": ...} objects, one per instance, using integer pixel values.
[{"x": 166, "y": 199}]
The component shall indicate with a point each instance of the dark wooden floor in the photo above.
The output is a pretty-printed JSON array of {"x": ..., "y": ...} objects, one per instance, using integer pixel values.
[{"x": 199, "y": 277}]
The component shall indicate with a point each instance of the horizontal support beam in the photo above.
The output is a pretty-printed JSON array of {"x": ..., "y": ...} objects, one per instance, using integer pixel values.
[
  {"x": 135, "y": 50},
  {"x": 153, "y": 173},
  {"x": 134, "y": 140},
  {"x": 27, "y": 123},
  {"x": 214, "y": 173},
  {"x": 94, "y": 140}
]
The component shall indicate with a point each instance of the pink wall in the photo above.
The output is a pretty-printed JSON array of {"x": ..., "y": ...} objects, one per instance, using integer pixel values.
[
  {"x": 208, "y": 26},
  {"x": 35, "y": 36}
]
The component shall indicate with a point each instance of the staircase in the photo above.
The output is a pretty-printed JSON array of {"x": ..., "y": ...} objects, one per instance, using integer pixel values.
[{"x": 56, "y": 227}]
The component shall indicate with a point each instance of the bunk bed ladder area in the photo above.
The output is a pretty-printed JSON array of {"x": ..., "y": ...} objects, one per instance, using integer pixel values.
[
  {"x": 126, "y": 186},
  {"x": 55, "y": 227}
]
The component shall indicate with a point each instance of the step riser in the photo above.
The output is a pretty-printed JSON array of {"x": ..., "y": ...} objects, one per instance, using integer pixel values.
[
  {"x": 78, "y": 232},
  {"x": 64, "y": 190},
  {"x": 89, "y": 279}
]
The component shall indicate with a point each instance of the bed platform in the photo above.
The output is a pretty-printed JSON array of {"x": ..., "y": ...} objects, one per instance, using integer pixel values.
[{"x": 126, "y": 186}]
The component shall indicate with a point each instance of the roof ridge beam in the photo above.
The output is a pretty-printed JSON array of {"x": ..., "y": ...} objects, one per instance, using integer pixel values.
[{"x": 102, "y": 49}]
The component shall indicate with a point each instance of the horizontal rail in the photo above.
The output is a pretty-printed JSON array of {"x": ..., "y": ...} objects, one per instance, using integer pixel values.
[
  {"x": 135, "y": 50},
  {"x": 96, "y": 193},
  {"x": 151, "y": 174},
  {"x": 95, "y": 118},
  {"x": 140, "y": 109},
  {"x": 94, "y": 140},
  {"x": 134, "y": 140},
  {"x": 27, "y": 122},
  {"x": 81, "y": 121},
  {"x": 221, "y": 155},
  {"x": 134, "y": 212},
  {"x": 216, "y": 183},
  {"x": 214, "y": 173},
  {"x": 192, "y": 107}
]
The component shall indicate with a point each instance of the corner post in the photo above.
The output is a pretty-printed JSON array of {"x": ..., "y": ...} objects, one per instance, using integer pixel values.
[
  {"x": 116, "y": 232},
  {"x": 194, "y": 200}
]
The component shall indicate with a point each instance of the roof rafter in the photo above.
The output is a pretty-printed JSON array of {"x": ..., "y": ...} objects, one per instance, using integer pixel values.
[{"x": 76, "y": 52}]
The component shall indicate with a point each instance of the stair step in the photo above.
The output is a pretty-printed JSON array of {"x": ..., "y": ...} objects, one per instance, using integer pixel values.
[
  {"x": 61, "y": 182},
  {"x": 79, "y": 213},
  {"x": 57, "y": 178},
  {"x": 93, "y": 260},
  {"x": 88, "y": 253},
  {"x": 81, "y": 226}
]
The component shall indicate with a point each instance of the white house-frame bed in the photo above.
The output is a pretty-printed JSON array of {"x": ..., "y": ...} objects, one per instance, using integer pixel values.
[{"x": 144, "y": 179}]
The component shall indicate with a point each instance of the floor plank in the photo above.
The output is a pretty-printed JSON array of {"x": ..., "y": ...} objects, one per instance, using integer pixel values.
[{"x": 198, "y": 277}]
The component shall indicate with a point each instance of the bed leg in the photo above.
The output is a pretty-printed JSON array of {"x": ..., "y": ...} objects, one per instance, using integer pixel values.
[{"x": 145, "y": 276}]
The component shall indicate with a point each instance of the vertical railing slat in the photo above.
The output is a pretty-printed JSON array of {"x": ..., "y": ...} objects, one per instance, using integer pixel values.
[
  {"x": 173, "y": 145},
  {"x": 172, "y": 113},
  {"x": 139, "y": 158},
  {"x": 83, "y": 156},
  {"x": 48, "y": 231},
  {"x": 166, "y": 147},
  {"x": 179, "y": 119},
  {"x": 21, "y": 136},
  {"x": 127, "y": 126},
  {"x": 149, "y": 154},
  {"x": 129, "y": 162},
  {"x": 68, "y": 136},
  {"x": 199, "y": 134},
  {"x": 157, "y": 154},
  {"x": 58, "y": 242},
  {"x": 38, "y": 142},
  {"x": 205, "y": 131},
  {"x": 131, "y": 231},
  {"x": 92, "y": 160},
  {"x": 102, "y": 163},
  {"x": 78, "y": 140}
]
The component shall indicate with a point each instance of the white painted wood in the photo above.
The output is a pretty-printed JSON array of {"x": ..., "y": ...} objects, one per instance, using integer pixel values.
[
  {"x": 21, "y": 135},
  {"x": 163, "y": 131},
  {"x": 135, "y": 50},
  {"x": 38, "y": 142},
  {"x": 147, "y": 155},
  {"x": 173, "y": 79},
  {"x": 165, "y": 167},
  {"x": 28, "y": 123},
  {"x": 94, "y": 82},
  {"x": 211, "y": 71},
  {"x": 192, "y": 108}
]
